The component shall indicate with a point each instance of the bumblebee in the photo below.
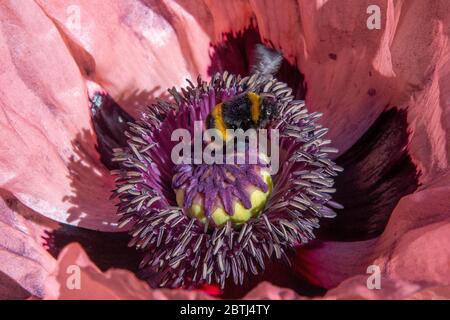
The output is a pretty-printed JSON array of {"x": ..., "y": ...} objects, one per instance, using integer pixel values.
[
  {"x": 249, "y": 109},
  {"x": 245, "y": 111}
]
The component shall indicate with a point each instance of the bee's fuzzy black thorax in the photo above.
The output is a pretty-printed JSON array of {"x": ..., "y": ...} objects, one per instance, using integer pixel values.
[
  {"x": 237, "y": 112},
  {"x": 245, "y": 111}
]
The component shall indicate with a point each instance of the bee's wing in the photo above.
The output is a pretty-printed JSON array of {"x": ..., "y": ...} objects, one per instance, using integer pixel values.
[{"x": 266, "y": 61}]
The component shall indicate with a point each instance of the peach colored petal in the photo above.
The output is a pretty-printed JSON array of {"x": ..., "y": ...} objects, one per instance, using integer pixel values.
[
  {"x": 24, "y": 263},
  {"x": 352, "y": 73},
  {"x": 433, "y": 293},
  {"x": 113, "y": 284},
  {"x": 340, "y": 57},
  {"x": 48, "y": 158},
  {"x": 355, "y": 288},
  {"x": 415, "y": 245},
  {"x": 153, "y": 45},
  {"x": 138, "y": 49},
  {"x": 413, "y": 249},
  {"x": 116, "y": 284},
  {"x": 327, "y": 264},
  {"x": 267, "y": 291}
]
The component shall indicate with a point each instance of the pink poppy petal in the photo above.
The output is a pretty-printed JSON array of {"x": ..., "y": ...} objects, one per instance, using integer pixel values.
[
  {"x": 432, "y": 293},
  {"x": 416, "y": 241},
  {"x": 327, "y": 264},
  {"x": 267, "y": 291},
  {"x": 414, "y": 247},
  {"x": 352, "y": 73},
  {"x": 48, "y": 157},
  {"x": 137, "y": 49},
  {"x": 24, "y": 263},
  {"x": 114, "y": 284},
  {"x": 342, "y": 60},
  {"x": 355, "y": 288}
]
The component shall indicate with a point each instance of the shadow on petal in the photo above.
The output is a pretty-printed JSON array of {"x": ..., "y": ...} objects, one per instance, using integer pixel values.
[
  {"x": 234, "y": 53},
  {"x": 91, "y": 184},
  {"x": 106, "y": 249},
  {"x": 10, "y": 289},
  {"x": 114, "y": 284},
  {"x": 24, "y": 263},
  {"x": 378, "y": 172}
]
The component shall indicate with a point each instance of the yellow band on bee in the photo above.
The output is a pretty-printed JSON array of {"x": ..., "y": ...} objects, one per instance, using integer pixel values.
[
  {"x": 219, "y": 124},
  {"x": 255, "y": 106}
]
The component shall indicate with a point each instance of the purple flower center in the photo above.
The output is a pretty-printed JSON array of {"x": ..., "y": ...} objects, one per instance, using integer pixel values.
[{"x": 218, "y": 188}]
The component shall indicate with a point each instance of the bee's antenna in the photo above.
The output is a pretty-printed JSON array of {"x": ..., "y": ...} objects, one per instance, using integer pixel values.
[{"x": 266, "y": 61}]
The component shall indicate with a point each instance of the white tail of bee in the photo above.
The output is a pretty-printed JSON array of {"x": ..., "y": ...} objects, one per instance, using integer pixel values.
[{"x": 266, "y": 61}]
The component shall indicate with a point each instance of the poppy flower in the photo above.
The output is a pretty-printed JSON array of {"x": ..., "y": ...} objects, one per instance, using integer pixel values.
[
  {"x": 75, "y": 73},
  {"x": 203, "y": 222}
]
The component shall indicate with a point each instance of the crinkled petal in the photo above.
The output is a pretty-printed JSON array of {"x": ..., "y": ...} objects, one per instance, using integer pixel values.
[
  {"x": 25, "y": 265},
  {"x": 352, "y": 73},
  {"x": 114, "y": 284},
  {"x": 138, "y": 48},
  {"x": 327, "y": 264},
  {"x": 414, "y": 247},
  {"x": 48, "y": 159}
]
